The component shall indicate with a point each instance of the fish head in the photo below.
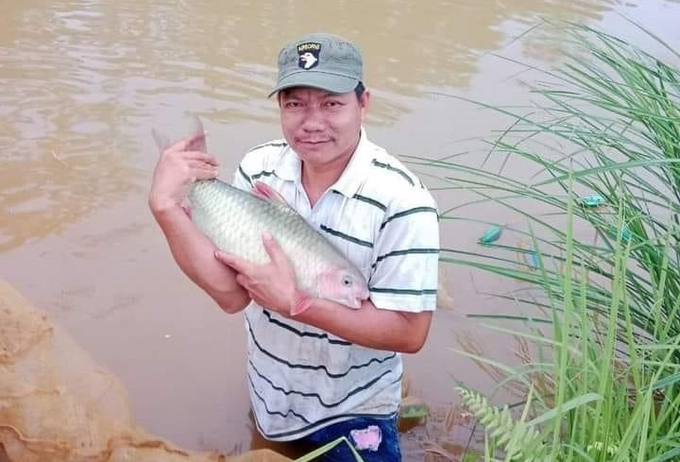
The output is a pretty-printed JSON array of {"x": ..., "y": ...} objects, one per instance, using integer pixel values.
[{"x": 344, "y": 285}]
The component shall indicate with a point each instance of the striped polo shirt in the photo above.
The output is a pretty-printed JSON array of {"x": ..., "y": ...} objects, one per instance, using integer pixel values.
[{"x": 385, "y": 221}]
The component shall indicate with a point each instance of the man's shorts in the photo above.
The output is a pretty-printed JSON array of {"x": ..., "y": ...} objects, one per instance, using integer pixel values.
[{"x": 376, "y": 440}]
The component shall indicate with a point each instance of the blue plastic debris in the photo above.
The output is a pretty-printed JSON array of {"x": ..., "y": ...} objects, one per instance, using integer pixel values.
[
  {"x": 526, "y": 256},
  {"x": 624, "y": 233},
  {"x": 592, "y": 201},
  {"x": 533, "y": 259},
  {"x": 492, "y": 234}
]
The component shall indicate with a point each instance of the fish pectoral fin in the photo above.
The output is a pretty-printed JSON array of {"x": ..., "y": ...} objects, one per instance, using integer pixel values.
[
  {"x": 265, "y": 191},
  {"x": 302, "y": 301}
]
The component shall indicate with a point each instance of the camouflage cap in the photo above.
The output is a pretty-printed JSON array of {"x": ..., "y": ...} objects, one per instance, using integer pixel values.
[{"x": 322, "y": 61}]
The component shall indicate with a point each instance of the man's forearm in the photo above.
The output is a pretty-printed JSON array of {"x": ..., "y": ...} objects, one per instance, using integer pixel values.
[
  {"x": 194, "y": 253},
  {"x": 369, "y": 326}
]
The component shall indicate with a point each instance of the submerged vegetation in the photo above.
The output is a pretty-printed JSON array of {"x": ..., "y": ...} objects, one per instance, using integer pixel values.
[{"x": 599, "y": 261}]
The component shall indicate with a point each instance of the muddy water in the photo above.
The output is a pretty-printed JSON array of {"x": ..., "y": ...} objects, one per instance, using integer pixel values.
[{"x": 83, "y": 83}]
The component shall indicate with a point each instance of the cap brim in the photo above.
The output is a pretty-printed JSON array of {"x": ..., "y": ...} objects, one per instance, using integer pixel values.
[{"x": 322, "y": 80}]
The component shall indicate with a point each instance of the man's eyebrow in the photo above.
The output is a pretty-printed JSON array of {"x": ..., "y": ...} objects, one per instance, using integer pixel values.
[
  {"x": 325, "y": 94},
  {"x": 331, "y": 93}
]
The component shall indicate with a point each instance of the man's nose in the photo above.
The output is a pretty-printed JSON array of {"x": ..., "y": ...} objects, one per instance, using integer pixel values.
[{"x": 313, "y": 120}]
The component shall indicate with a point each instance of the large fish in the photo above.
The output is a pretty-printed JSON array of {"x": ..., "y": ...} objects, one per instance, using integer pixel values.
[{"x": 234, "y": 220}]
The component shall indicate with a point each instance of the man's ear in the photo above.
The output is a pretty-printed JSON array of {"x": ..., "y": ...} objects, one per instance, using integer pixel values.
[
  {"x": 363, "y": 103},
  {"x": 365, "y": 98}
]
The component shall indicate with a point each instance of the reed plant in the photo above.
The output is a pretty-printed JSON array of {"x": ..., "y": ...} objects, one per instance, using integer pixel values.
[{"x": 595, "y": 247}]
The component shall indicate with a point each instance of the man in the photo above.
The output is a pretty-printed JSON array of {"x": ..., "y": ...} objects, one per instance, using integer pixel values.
[{"x": 331, "y": 370}]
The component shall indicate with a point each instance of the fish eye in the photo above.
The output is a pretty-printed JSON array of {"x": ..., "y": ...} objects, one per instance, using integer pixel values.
[{"x": 346, "y": 281}]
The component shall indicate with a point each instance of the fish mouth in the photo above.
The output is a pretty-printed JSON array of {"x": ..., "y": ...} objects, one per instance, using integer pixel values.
[
  {"x": 364, "y": 295},
  {"x": 356, "y": 302}
]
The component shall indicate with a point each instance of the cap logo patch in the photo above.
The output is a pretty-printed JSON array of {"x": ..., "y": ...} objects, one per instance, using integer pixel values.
[{"x": 308, "y": 54}]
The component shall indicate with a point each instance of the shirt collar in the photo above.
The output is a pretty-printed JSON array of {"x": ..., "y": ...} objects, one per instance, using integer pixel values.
[{"x": 352, "y": 178}]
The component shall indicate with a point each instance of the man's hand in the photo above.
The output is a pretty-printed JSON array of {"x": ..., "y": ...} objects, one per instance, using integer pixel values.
[
  {"x": 178, "y": 167},
  {"x": 272, "y": 285}
]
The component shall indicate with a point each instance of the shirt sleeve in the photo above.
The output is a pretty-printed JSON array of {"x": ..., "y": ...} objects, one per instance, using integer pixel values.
[{"x": 406, "y": 255}]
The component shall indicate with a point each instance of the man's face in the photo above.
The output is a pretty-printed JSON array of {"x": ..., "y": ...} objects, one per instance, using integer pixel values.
[{"x": 321, "y": 127}]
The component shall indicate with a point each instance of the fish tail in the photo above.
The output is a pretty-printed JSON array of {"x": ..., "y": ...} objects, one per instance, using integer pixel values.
[{"x": 164, "y": 141}]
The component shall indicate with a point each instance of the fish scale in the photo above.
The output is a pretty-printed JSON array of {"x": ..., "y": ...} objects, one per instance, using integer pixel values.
[{"x": 234, "y": 220}]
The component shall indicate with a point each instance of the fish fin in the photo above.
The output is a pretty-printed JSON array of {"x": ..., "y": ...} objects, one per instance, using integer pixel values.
[
  {"x": 302, "y": 301},
  {"x": 200, "y": 142},
  {"x": 265, "y": 191},
  {"x": 161, "y": 139}
]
